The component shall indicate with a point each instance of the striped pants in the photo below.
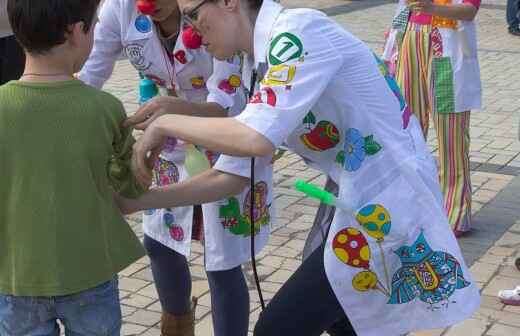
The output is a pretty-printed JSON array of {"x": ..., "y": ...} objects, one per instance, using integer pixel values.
[
  {"x": 415, "y": 78},
  {"x": 455, "y": 177}
]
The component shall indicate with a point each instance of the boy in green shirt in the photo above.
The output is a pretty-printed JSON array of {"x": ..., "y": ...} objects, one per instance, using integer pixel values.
[{"x": 63, "y": 155}]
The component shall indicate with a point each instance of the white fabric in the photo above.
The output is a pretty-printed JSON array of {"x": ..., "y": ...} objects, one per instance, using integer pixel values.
[
  {"x": 461, "y": 46},
  {"x": 359, "y": 136},
  {"x": 5, "y": 27},
  {"x": 119, "y": 31}
]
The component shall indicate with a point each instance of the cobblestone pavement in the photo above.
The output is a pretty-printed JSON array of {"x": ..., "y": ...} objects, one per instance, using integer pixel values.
[{"x": 492, "y": 247}]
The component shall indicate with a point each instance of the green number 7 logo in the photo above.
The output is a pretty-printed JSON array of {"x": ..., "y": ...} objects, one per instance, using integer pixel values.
[{"x": 285, "y": 47}]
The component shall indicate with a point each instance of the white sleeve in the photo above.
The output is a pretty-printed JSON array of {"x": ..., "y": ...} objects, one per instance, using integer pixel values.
[
  {"x": 302, "y": 61},
  {"x": 240, "y": 166},
  {"x": 107, "y": 46},
  {"x": 5, "y": 28},
  {"x": 225, "y": 84}
]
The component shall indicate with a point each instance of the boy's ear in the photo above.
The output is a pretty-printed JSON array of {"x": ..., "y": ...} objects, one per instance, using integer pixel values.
[{"x": 76, "y": 30}]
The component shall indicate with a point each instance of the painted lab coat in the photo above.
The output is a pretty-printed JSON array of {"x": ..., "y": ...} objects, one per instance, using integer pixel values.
[
  {"x": 192, "y": 74},
  {"x": 392, "y": 261},
  {"x": 455, "y": 45},
  {"x": 5, "y": 27}
]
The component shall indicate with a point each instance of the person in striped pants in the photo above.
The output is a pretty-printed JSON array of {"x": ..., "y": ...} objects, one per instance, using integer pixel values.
[{"x": 432, "y": 48}]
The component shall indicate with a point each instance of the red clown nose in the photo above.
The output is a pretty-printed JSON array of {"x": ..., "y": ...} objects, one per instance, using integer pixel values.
[
  {"x": 147, "y": 7},
  {"x": 191, "y": 39}
]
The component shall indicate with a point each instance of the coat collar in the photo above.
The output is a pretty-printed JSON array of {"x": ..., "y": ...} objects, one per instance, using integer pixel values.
[{"x": 265, "y": 21}]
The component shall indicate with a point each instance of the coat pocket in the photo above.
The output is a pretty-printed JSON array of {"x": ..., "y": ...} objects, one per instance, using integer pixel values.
[{"x": 444, "y": 93}]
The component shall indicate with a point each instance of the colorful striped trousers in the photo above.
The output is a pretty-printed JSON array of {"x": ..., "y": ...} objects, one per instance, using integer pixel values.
[{"x": 415, "y": 78}]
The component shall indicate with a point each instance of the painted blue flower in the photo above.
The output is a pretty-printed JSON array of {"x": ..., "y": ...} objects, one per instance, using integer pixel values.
[
  {"x": 354, "y": 150},
  {"x": 149, "y": 212},
  {"x": 168, "y": 219}
]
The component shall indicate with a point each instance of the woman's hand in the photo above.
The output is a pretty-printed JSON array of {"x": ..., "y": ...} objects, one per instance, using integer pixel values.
[
  {"x": 160, "y": 106},
  {"x": 424, "y": 6},
  {"x": 146, "y": 150},
  {"x": 463, "y": 11},
  {"x": 150, "y": 111}
]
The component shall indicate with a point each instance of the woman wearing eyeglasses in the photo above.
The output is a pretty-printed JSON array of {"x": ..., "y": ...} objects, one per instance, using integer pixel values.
[
  {"x": 166, "y": 50},
  {"x": 390, "y": 262}
]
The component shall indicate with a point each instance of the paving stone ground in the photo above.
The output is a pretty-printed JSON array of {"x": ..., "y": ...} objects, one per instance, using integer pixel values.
[{"x": 495, "y": 159}]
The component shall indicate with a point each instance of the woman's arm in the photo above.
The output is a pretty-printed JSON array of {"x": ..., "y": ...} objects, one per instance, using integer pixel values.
[
  {"x": 225, "y": 91},
  {"x": 224, "y": 135},
  {"x": 162, "y": 105},
  {"x": 210, "y": 186},
  {"x": 464, "y": 11}
]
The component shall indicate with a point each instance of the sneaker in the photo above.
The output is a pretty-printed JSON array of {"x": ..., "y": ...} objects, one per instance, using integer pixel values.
[
  {"x": 514, "y": 31},
  {"x": 510, "y": 296}
]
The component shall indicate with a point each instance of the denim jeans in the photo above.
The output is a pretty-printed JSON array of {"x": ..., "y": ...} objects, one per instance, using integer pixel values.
[
  {"x": 512, "y": 13},
  {"x": 93, "y": 312}
]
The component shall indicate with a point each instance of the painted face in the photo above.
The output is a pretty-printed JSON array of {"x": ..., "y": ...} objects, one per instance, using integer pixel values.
[{"x": 217, "y": 22}]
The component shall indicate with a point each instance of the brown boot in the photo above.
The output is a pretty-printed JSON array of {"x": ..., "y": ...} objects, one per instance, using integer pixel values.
[{"x": 179, "y": 325}]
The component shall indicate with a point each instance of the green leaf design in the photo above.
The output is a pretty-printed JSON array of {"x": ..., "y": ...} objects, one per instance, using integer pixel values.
[
  {"x": 309, "y": 119},
  {"x": 242, "y": 228},
  {"x": 340, "y": 158},
  {"x": 371, "y": 146}
]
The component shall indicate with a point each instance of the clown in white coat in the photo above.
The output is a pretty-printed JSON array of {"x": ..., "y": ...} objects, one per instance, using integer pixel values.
[
  {"x": 180, "y": 65},
  {"x": 391, "y": 263}
]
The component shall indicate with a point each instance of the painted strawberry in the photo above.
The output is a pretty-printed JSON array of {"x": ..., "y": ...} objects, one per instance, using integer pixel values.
[
  {"x": 177, "y": 233},
  {"x": 180, "y": 56},
  {"x": 266, "y": 95},
  {"x": 323, "y": 137},
  {"x": 230, "y": 85}
]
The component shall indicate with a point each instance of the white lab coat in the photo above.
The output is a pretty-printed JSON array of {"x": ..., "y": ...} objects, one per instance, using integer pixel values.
[
  {"x": 192, "y": 74},
  {"x": 393, "y": 262},
  {"x": 5, "y": 27},
  {"x": 457, "y": 45}
]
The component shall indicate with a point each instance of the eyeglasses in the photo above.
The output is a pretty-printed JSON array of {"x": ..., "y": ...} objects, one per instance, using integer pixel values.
[{"x": 192, "y": 16}]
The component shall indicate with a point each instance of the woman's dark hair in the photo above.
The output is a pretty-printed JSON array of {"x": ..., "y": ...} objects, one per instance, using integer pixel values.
[
  {"x": 255, "y": 4},
  {"x": 40, "y": 25}
]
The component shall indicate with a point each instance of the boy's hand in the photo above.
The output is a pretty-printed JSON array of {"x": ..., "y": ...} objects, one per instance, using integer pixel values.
[{"x": 146, "y": 151}]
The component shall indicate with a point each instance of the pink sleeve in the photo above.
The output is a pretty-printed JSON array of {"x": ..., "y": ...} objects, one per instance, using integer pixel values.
[{"x": 475, "y": 3}]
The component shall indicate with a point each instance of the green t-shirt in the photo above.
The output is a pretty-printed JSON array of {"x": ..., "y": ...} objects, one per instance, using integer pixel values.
[{"x": 62, "y": 153}]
